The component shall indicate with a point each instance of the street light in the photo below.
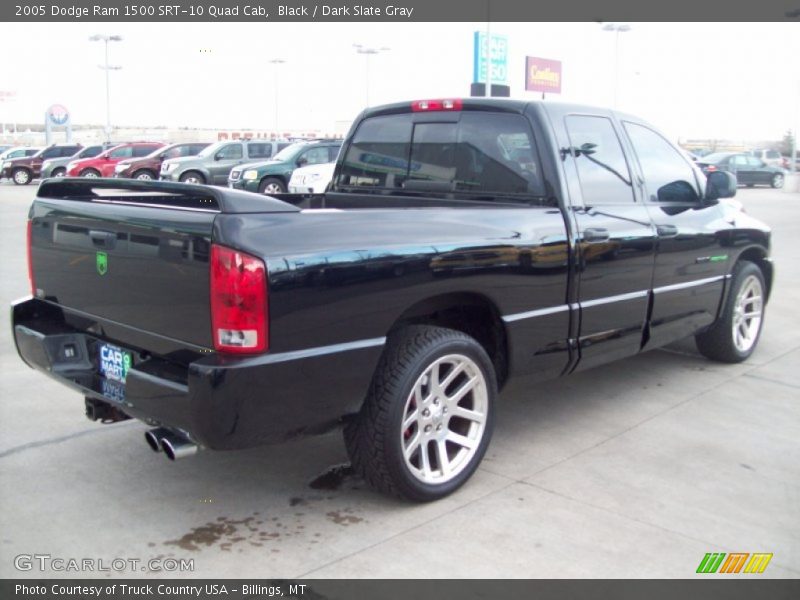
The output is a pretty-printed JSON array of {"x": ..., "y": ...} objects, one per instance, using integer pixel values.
[
  {"x": 107, "y": 38},
  {"x": 617, "y": 28},
  {"x": 276, "y": 62},
  {"x": 367, "y": 52}
]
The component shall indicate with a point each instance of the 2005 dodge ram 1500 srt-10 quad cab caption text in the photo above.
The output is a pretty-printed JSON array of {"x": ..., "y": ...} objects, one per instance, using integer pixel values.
[{"x": 462, "y": 246}]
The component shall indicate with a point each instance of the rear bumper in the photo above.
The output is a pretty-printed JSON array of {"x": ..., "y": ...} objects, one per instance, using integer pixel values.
[{"x": 221, "y": 402}]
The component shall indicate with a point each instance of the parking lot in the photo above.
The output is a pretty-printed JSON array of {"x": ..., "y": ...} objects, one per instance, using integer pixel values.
[{"x": 637, "y": 469}]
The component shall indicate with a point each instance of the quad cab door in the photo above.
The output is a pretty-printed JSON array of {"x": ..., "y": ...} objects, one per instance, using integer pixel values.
[
  {"x": 614, "y": 242},
  {"x": 693, "y": 252}
]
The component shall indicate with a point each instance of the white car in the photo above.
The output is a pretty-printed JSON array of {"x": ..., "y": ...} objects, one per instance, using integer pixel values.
[{"x": 312, "y": 179}]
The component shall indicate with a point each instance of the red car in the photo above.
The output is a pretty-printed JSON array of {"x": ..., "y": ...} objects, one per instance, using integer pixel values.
[
  {"x": 150, "y": 166},
  {"x": 103, "y": 164}
]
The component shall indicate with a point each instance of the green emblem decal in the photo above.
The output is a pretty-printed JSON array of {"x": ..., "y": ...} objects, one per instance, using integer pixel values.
[{"x": 102, "y": 263}]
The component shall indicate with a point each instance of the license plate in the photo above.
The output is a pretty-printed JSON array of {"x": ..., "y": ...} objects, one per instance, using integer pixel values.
[{"x": 114, "y": 362}]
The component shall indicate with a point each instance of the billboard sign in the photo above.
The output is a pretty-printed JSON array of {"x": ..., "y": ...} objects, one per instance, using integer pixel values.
[
  {"x": 542, "y": 75},
  {"x": 498, "y": 58}
]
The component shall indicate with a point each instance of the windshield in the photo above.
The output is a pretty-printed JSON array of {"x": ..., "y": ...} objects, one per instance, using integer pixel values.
[
  {"x": 210, "y": 150},
  {"x": 716, "y": 157},
  {"x": 289, "y": 152}
]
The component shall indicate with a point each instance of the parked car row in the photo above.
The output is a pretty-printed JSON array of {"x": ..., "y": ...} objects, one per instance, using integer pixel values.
[{"x": 262, "y": 166}]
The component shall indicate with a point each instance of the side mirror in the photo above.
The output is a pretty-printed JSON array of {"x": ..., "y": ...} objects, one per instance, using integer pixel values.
[{"x": 720, "y": 184}]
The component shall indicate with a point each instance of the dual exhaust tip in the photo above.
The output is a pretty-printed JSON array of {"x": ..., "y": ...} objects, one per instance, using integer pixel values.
[{"x": 174, "y": 445}]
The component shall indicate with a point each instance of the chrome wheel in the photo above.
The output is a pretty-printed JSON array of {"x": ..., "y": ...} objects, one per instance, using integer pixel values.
[
  {"x": 273, "y": 187},
  {"x": 747, "y": 311},
  {"x": 144, "y": 176},
  {"x": 59, "y": 173},
  {"x": 90, "y": 174},
  {"x": 22, "y": 177},
  {"x": 777, "y": 180},
  {"x": 444, "y": 419},
  {"x": 191, "y": 179}
]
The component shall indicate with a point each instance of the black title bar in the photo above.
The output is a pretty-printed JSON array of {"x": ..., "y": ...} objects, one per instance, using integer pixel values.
[{"x": 396, "y": 11}]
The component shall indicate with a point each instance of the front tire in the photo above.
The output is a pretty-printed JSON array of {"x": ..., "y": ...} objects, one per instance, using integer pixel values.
[
  {"x": 60, "y": 172},
  {"x": 734, "y": 336},
  {"x": 89, "y": 173},
  {"x": 428, "y": 416},
  {"x": 144, "y": 175},
  {"x": 21, "y": 176},
  {"x": 777, "y": 181},
  {"x": 271, "y": 185},
  {"x": 192, "y": 177}
]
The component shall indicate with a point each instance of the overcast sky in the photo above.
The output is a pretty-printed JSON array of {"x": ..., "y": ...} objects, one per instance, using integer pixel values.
[{"x": 720, "y": 80}]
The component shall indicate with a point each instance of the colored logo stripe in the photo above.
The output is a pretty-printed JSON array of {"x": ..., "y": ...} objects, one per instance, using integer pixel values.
[
  {"x": 758, "y": 562},
  {"x": 734, "y": 562},
  {"x": 712, "y": 562}
]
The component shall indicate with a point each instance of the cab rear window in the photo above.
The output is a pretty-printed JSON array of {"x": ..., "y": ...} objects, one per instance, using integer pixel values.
[{"x": 482, "y": 154}]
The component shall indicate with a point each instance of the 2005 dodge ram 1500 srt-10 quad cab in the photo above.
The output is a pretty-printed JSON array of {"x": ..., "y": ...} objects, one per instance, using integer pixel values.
[{"x": 462, "y": 246}]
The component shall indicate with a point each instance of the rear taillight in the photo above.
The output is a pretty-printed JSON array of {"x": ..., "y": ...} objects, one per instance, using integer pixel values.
[
  {"x": 430, "y": 105},
  {"x": 30, "y": 262},
  {"x": 710, "y": 168},
  {"x": 239, "y": 306}
]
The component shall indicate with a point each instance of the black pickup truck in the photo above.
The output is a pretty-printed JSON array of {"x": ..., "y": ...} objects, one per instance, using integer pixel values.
[{"x": 462, "y": 246}]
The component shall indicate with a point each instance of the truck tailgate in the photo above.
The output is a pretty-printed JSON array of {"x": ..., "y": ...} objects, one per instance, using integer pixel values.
[{"x": 141, "y": 266}]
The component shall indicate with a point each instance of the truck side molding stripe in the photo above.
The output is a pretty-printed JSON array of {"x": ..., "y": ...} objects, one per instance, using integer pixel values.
[
  {"x": 541, "y": 312},
  {"x": 269, "y": 359},
  {"x": 689, "y": 284},
  {"x": 535, "y": 313}
]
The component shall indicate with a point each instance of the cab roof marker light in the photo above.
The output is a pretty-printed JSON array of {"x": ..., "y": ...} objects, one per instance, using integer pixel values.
[{"x": 436, "y": 105}]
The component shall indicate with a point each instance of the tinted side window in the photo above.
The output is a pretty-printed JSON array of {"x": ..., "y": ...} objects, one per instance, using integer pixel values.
[
  {"x": 333, "y": 153},
  {"x": 602, "y": 170},
  {"x": 69, "y": 151},
  {"x": 194, "y": 149},
  {"x": 667, "y": 174},
  {"x": 315, "y": 156},
  {"x": 740, "y": 160},
  {"x": 51, "y": 153},
  {"x": 139, "y": 151},
  {"x": 752, "y": 161},
  {"x": 125, "y": 152},
  {"x": 91, "y": 152},
  {"x": 259, "y": 150},
  {"x": 282, "y": 145},
  {"x": 231, "y": 151}
]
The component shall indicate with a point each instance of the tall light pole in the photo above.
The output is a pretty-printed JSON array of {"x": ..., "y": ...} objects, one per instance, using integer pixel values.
[
  {"x": 367, "y": 52},
  {"x": 106, "y": 67},
  {"x": 617, "y": 28},
  {"x": 276, "y": 62}
]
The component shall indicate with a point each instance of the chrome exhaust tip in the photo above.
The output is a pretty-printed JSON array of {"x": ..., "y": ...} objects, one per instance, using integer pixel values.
[
  {"x": 176, "y": 446},
  {"x": 153, "y": 437}
]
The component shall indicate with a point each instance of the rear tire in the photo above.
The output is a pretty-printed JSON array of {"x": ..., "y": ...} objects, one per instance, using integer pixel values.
[
  {"x": 60, "y": 172},
  {"x": 21, "y": 176},
  {"x": 427, "y": 419},
  {"x": 734, "y": 336},
  {"x": 777, "y": 181},
  {"x": 90, "y": 173}
]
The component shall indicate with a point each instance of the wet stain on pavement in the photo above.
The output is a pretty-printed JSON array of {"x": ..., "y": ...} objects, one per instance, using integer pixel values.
[{"x": 344, "y": 517}]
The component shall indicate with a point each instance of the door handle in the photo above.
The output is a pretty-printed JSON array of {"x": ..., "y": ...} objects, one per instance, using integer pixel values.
[
  {"x": 596, "y": 234},
  {"x": 665, "y": 231},
  {"x": 104, "y": 239}
]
